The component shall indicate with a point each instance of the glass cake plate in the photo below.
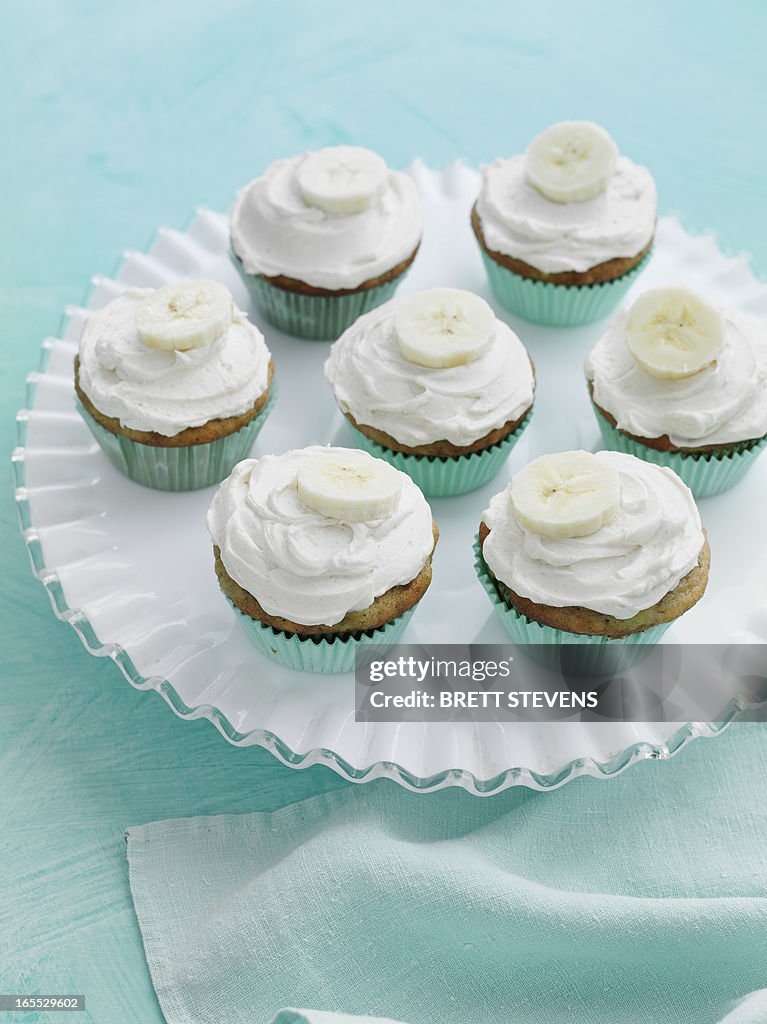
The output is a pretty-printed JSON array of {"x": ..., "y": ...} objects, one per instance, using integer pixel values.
[{"x": 131, "y": 570}]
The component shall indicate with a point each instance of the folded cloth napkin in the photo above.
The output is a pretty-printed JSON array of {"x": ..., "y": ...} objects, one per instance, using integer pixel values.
[{"x": 642, "y": 898}]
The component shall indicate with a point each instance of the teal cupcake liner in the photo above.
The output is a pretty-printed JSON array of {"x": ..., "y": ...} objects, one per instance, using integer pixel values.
[
  {"x": 322, "y": 654},
  {"x": 706, "y": 474},
  {"x": 444, "y": 478},
  {"x": 321, "y": 317},
  {"x": 179, "y": 469},
  {"x": 558, "y": 305},
  {"x": 573, "y": 653}
]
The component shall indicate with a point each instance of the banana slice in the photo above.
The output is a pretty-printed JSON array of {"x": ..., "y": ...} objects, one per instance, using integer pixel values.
[
  {"x": 569, "y": 494},
  {"x": 185, "y": 315},
  {"x": 571, "y": 161},
  {"x": 342, "y": 179},
  {"x": 674, "y": 333},
  {"x": 443, "y": 327},
  {"x": 348, "y": 485}
]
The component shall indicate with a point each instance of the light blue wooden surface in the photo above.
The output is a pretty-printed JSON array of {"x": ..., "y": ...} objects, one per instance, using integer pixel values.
[{"x": 119, "y": 117}]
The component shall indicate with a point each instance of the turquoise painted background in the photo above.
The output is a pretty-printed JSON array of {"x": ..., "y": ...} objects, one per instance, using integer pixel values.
[{"x": 116, "y": 118}]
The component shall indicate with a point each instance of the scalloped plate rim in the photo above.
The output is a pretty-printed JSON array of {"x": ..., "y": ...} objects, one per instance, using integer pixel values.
[{"x": 451, "y": 777}]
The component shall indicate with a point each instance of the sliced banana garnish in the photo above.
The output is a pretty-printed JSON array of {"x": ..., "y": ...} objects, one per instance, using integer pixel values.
[
  {"x": 571, "y": 161},
  {"x": 568, "y": 494},
  {"x": 673, "y": 333},
  {"x": 185, "y": 315},
  {"x": 443, "y": 327},
  {"x": 352, "y": 486},
  {"x": 342, "y": 179}
]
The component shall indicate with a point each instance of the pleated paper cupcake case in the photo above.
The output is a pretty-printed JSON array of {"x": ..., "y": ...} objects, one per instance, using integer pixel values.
[
  {"x": 558, "y": 305},
  {"x": 705, "y": 475},
  {"x": 323, "y": 655},
  {"x": 595, "y": 655},
  {"x": 179, "y": 469},
  {"x": 318, "y": 317},
  {"x": 446, "y": 477}
]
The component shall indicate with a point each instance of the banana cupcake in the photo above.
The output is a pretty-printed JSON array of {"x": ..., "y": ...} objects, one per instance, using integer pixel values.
[
  {"x": 565, "y": 228},
  {"x": 174, "y": 383},
  {"x": 603, "y": 551},
  {"x": 683, "y": 384},
  {"x": 320, "y": 550},
  {"x": 436, "y": 385},
  {"x": 321, "y": 238}
]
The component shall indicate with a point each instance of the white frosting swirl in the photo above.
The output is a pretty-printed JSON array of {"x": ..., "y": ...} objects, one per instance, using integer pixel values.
[
  {"x": 416, "y": 405},
  {"x": 304, "y": 566},
  {"x": 722, "y": 404},
  {"x": 275, "y": 232},
  {"x": 626, "y": 566},
  {"x": 555, "y": 237},
  {"x": 166, "y": 391}
]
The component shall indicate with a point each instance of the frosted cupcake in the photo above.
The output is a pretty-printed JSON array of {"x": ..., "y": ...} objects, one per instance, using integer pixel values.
[
  {"x": 321, "y": 238},
  {"x": 174, "y": 383},
  {"x": 320, "y": 550},
  {"x": 682, "y": 384},
  {"x": 603, "y": 551},
  {"x": 565, "y": 227},
  {"x": 436, "y": 385}
]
